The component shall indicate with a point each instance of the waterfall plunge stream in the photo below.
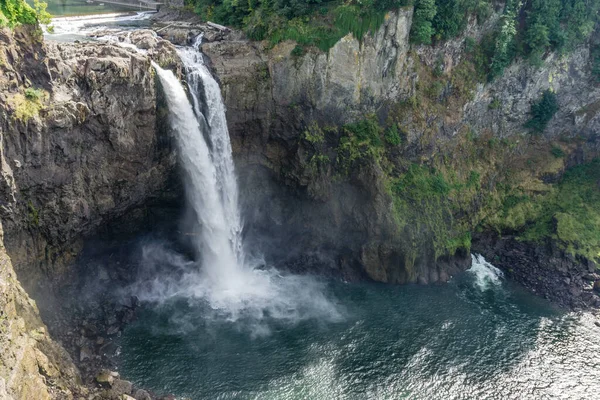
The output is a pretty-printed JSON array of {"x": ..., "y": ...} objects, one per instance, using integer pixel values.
[{"x": 232, "y": 285}]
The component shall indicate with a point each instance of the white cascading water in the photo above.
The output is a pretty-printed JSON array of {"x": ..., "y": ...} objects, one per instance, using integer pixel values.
[
  {"x": 200, "y": 78},
  {"x": 225, "y": 279},
  {"x": 217, "y": 241},
  {"x": 486, "y": 275}
]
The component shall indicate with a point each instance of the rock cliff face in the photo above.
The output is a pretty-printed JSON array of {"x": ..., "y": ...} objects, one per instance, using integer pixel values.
[
  {"x": 272, "y": 97},
  {"x": 32, "y": 366},
  {"x": 80, "y": 143},
  {"x": 276, "y": 98},
  {"x": 568, "y": 76},
  {"x": 269, "y": 86}
]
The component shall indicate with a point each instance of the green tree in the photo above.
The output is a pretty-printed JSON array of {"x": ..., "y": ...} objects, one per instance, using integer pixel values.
[
  {"x": 542, "y": 111},
  {"x": 422, "y": 28},
  {"x": 538, "y": 40},
  {"x": 450, "y": 18},
  {"x": 16, "y": 12},
  {"x": 504, "y": 50},
  {"x": 543, "y": 27}
]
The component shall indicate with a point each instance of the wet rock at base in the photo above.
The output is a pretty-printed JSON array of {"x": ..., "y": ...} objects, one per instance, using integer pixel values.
[
  {"x": 141, "y": 394},
  {"x": 107, "y": 377},
  {"x": 121, "y": 387},
  {"x": 85, "y": 353}
]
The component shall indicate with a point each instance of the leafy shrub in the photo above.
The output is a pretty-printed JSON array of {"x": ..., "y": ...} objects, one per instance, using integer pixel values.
[
  {"x": 366, "y": 131},
  {"x": 16, "y": 12},
  {"x": 542, "y": 111},
  {"x": 298, "y": 51},
  {"x": 470, "y": 45},
  {"x": 495, "y": 104},
  {"x": 314, "y": 134},
  {"x": 33, "y": 94},
  {"x": 392, "y": 136},
  {"x": 474, "y": 179},
  {"x": 557, "y": 152},
  {"x": 358, "y": 141},
  {"x": 435, "y": 90}
]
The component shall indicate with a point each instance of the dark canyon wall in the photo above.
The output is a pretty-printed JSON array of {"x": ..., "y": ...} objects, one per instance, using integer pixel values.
[{"x": 313, "y": 178}]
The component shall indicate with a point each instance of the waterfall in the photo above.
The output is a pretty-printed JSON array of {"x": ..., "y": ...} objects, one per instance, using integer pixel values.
[
  {"x": 222, "y": 276},
  {"x": 485, "y": 273},
  {"x": 212, "y": 111},
  {"x": 211, "y": 187}
]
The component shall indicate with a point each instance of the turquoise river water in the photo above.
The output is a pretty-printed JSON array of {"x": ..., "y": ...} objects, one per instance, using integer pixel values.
[{"x": 474, "y": 338}]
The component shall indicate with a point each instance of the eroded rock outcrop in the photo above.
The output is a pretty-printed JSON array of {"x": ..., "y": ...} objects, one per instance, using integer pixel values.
[
  {"x": 32, "y": 365},
  {"x": 81, "y": 143}
]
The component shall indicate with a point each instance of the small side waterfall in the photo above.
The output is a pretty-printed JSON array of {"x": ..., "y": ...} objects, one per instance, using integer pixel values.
[
  {"x": 229, "y": 283},
  {"x": 485, "y": 273}
]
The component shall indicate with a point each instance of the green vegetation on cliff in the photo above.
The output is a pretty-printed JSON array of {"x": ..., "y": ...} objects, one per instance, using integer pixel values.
[
  {"x": 308, "y": 22},
  {"x": 424, "y": 210},
  {"x": 542, "y": 111},
  {"x": 16, "y": 12},
  {"x": 438, "y": 202},
  {"x": 569, "y": 212},
  {"x": 27, "y": 105},
  {"x": 532, "y": 28},
  {"x": 525, "y": 28}
]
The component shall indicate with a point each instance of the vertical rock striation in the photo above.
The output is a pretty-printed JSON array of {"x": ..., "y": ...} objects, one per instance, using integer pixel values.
[{"x": 81, "y": 143}]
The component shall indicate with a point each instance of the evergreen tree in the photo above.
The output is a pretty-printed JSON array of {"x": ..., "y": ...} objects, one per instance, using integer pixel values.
[{"x": 422, "y": 28}]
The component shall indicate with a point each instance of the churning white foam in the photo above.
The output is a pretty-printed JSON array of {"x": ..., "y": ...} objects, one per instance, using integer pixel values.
[
  {"x": 82, "y": 24},
  {"x": 232, "y": 284},
  {"x": 486, "y": 275}
]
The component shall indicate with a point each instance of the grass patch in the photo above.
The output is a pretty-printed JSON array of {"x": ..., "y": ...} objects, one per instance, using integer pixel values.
[
  {"x": 392, "y": 136},
  {"x": 557, "y": 152},
  {"x": 424, "y": 212},
  {"x": 33, "y": 215},
  {"x": 569, "y": 213},
  {"x": 27, "y": 105},
  {"x": 359, "y": 140}
]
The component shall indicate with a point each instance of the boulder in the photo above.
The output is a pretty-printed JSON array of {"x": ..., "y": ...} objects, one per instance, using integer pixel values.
[
  {"x": 141, "y": 394},
  {"x": 121, "y": 387},
  {"x": 105, "y": 377}
]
